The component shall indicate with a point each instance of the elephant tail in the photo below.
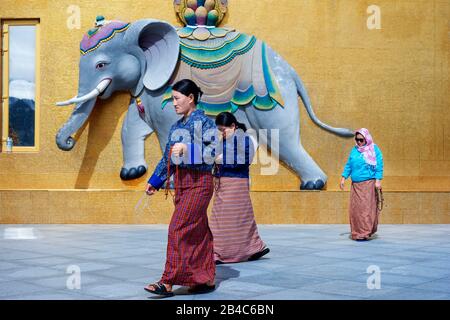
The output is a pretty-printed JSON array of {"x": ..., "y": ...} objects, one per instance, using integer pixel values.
[{"x": 342, "y": 132}]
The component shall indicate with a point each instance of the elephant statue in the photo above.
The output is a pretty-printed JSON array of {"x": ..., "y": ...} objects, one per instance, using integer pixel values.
[{"x": 237, "y": 73}]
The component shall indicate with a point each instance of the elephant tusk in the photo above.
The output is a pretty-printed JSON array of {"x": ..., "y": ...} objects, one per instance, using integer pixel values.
[{"x": 93, "y": 94}]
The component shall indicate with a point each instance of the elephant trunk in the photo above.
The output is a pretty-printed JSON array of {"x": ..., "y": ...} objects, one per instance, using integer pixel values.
[
  {"x": 79, "y": 116},
  {"x": 84, "y": 105}
]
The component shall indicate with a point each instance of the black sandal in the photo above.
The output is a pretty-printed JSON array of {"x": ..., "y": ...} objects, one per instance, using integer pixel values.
[
  {"x": 202, "y": 288},
  {"x": 160, "y": 289},
  {"x": 259, "y": 254}
]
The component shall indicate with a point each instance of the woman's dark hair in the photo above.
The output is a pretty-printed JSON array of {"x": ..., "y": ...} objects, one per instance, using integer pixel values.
[
  {"x": 187, "y": 87},
  {"x": 226, "y": 119}
]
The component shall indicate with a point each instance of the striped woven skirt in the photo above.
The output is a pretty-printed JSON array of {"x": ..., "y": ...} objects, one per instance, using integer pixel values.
[
  {"x": 190, "y": 257},
  {"x": 232, "y": 221},
  {"x": 363, "y": 209}
]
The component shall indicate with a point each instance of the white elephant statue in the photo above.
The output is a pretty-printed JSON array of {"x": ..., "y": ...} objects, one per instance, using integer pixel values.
[{"x": 237, "y": 73}]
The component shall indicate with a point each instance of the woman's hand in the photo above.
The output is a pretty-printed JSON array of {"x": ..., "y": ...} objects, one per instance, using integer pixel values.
[
  {"x": 150, "y": 190},
  {"x": 179, "y": 149},
  {"x": 341, "y": 185},
  {"x": 219, "y": 159},
  {"x": 378, "y": 184}
]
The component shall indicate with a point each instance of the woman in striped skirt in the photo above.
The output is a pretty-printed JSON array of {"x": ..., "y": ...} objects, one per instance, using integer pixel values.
[
  {"x": 190, "y": 258},
  {"x": 232, "y": 221}
]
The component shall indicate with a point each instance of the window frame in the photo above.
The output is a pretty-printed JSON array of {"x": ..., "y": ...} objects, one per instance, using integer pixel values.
[{"x": 4, "y": 83}]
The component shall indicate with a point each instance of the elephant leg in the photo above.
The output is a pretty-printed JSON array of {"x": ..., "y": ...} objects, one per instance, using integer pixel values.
[
  {"x": 134, "y": 132},
  {"x": 313, "y": 178},
  {"x": 286, "y": 120},
  {"x": 290, "y": 151}
]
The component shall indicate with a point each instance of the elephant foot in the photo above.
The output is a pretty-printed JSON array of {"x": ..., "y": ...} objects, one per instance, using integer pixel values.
[
  {"x": 132, "y": 173},
  {"x": 312, "y": 185}
]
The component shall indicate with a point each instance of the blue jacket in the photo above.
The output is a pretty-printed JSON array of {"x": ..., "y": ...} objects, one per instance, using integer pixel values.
[
  {"x": 359, "y": 170},
  {"x": 238, "y": 152},
  {"x": 200, "y": 152}
]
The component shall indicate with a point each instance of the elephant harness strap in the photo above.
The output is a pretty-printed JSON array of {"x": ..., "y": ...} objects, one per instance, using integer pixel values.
[{"x": 139, "y": 105}]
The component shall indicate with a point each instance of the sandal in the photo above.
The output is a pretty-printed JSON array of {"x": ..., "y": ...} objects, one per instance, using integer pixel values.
[
  {"x": 160, "y": 289},
  {"x": 259, "y": 254},
  {"x": 202, "y": 288}
]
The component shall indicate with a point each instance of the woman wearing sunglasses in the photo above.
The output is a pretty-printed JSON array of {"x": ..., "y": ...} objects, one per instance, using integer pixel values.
[{"x": 365, "y": 166}]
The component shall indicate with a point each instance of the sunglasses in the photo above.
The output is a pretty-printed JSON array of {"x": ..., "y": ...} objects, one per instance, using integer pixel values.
[{"x": 359, "y": 140}]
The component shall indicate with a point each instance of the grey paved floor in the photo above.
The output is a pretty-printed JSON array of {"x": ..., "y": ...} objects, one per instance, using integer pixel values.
[{"x": 305, "y": 262}]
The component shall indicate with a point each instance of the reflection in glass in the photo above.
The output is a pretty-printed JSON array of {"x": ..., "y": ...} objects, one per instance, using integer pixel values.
[{"x": 22, "y": 94}]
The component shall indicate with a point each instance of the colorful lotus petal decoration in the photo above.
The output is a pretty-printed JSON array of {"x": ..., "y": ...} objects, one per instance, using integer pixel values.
[{"x": 201, "y": 18}]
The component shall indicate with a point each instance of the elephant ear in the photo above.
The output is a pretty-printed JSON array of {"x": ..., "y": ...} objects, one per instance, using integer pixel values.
[{"x": 160, "y": 45}]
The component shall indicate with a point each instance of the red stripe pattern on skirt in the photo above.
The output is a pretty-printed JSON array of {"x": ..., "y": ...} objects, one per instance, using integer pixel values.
[
  {"x": 363, "y": 209},
  {"x": 190, "y": 255},
  {"x": 232, "y": 221}
]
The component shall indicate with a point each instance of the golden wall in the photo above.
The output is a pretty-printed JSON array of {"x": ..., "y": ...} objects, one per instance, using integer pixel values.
[{"x": 393, "y": 81}]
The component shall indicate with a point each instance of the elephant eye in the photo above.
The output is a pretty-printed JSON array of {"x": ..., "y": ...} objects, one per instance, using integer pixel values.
[{"x": 100, "y": 65}]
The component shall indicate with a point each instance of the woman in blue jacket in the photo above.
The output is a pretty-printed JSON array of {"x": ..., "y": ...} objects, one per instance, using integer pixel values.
[
  {"x": 365, "y": 166},
  {"x": 232, "y": 220},
  {"x": 189, "y": 259}
]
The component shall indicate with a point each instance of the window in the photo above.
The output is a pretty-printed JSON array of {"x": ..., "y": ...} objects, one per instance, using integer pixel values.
[{"x": 20, "y": 85}]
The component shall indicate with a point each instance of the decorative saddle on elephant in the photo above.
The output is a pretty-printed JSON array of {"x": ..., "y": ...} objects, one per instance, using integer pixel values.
[
  {"x": 232, "y": 71},
  {"x": 231, "y": 67}
]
